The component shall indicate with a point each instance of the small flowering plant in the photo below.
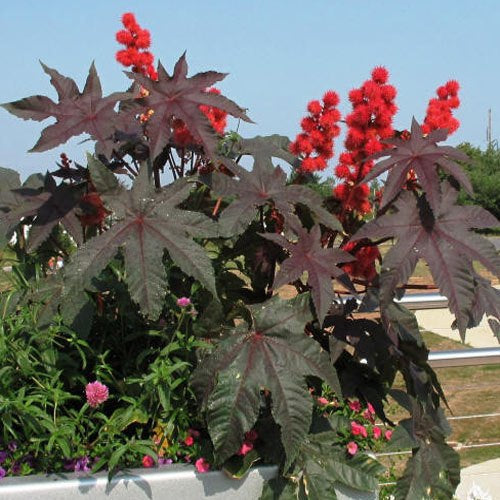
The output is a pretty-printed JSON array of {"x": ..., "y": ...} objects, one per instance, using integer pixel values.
[{"x": 165, "y": 336}]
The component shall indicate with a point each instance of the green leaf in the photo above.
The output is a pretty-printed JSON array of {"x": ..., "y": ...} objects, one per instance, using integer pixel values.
[
  {"x": 102, "y": 178},
  {"x": 275, "y": 354},
  {"x": 279, "y": 489},
  {"x": 238, "y": 466}
]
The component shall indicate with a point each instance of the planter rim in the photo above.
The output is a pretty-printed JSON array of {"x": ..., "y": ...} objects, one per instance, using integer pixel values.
[{"x": 176, "y": 481}]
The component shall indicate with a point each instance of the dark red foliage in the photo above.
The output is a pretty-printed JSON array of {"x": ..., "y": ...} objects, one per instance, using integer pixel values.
[
  {"x": 177, "y": 98},
  {"x": 421, "y": 155}
]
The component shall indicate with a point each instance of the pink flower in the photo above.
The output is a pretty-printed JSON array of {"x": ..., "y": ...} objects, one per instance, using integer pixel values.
[
  {"x": 388, "y": 435},
  {"x": 189, "y": 440},
  {"x": 370, "y": 408},
  {"x": 368, "y": 416},
  {"x": 358, "y": 429},
  {"x": 322, "y": 401},
  {"x": 377, "y": 432},
  {"x": 148, "y": 461},
  {"x": 352, "y": 448},
  {"x": 96, "y": 393},
  {"x": 202, "y": 465},
  {"x": 245, "y": 448},
  {"x": 194, "y": 433},
  {"x": 183, "y": 302},
  {"x": 355, "y": 405}
]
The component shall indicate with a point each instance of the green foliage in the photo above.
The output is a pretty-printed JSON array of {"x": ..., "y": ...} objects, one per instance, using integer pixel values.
[{"x": 483, "y": 168}]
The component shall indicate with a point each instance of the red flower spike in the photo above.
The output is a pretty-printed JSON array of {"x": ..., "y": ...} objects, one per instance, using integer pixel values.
[
  {"x": 315, "y": 143},
  {"x": 439, "y": 111},
  {"x": 135, "y": 40},
  {"x": 369, "y": 122}
]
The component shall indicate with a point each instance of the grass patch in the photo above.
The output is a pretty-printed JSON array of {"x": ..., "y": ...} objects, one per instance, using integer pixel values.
[{"x": 470, "y": 390}]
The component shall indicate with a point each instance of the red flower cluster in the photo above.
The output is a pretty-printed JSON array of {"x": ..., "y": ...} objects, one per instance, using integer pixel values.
[
  {"x": 369, "y": 123},
  {"x": 364, "y": 265},
  {"x": 94, "y": 210},
  {"x": 315, "y": 143},
  {"x": 439, "y": 110},
  {"x": 136, "y": 41},
  {"x": 217, "y": 118}
]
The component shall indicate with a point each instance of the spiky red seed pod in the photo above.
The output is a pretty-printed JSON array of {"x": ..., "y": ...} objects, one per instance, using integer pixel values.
[
  {"x": 356, "y": 96},
  {"x": 314, "y": 107},
  {"x": 453, "y": 87},
  {"x": 380, "y": 75},
  {"x": 330, "y": 99}
]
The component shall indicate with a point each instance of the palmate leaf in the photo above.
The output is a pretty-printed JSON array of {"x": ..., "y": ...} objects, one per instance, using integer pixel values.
[
  {"x": 433, "y": 472},
  {"x": 48, "y": 204},
  {"x": 180, "y": 97},
  {"x": 75, "y": 113},
  {"x": 265, "y": 184},
  {"x": 421, "y": 154},
  {"x": 275, "y": 354},
  {"x": 147, "y": 222},
  {"x": 307, "y": 254},
  {"x": 443, "y": 240}
]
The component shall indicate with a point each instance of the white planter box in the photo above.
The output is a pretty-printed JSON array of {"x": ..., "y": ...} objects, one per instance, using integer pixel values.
[{"x": 179, "y": 482}]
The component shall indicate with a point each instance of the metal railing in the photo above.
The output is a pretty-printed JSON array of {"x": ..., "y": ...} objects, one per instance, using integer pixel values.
[
  {"x": 450, "y": 359},
  {"x": 465, "y": 357}
]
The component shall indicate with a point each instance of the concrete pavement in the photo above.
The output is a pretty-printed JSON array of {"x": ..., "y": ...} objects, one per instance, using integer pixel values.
[
  {"x": 484, "y": 477},
  {"x": 439, "y": 321}
]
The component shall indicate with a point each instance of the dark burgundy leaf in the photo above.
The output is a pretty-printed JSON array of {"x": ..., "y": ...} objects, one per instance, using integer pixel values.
[
  {"x": 180, "y": 97},
  {"x": 423, "y": 155},
  {"x": 264, "y": 185},
  {"x": 307, "y": 254},
  {"x": 48, "y": 207},
  {"x": 443, "y": 240},
  {"x": 147, "y": 223},
  {"x": 75, "y": 113},
  {"x": 272, "y": 353}
]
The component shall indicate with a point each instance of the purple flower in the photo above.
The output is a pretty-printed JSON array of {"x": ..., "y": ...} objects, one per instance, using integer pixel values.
[
  {"x": 82, "y": 464},
  {"x": 3, "y": 456},
  {"x": 184, "y": 302},
  {"x": 12, "y": 446},
  {"x": 3, "y": 472},
  {"x": 165, "y": 461},
  {"x": 16, "y": 468}
]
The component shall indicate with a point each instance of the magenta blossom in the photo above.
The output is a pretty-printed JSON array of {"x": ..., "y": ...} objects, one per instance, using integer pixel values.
[
  {"x": 358, "y": 429},
  {"x": 96, "y": 393},
  {"x": 355, "y": 405},
  {"x": 184, "y": 302},
  {"x": 388, "y": 435},
  {"x": 3, "y": 472},
  {"x": 377, "y": 432},
  {"x": 352, "y": 448},
  {"x": 202, "y": 465}
]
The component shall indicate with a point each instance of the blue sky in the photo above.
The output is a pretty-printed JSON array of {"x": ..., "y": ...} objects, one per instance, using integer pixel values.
[{"x": 278, "y": 54}]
